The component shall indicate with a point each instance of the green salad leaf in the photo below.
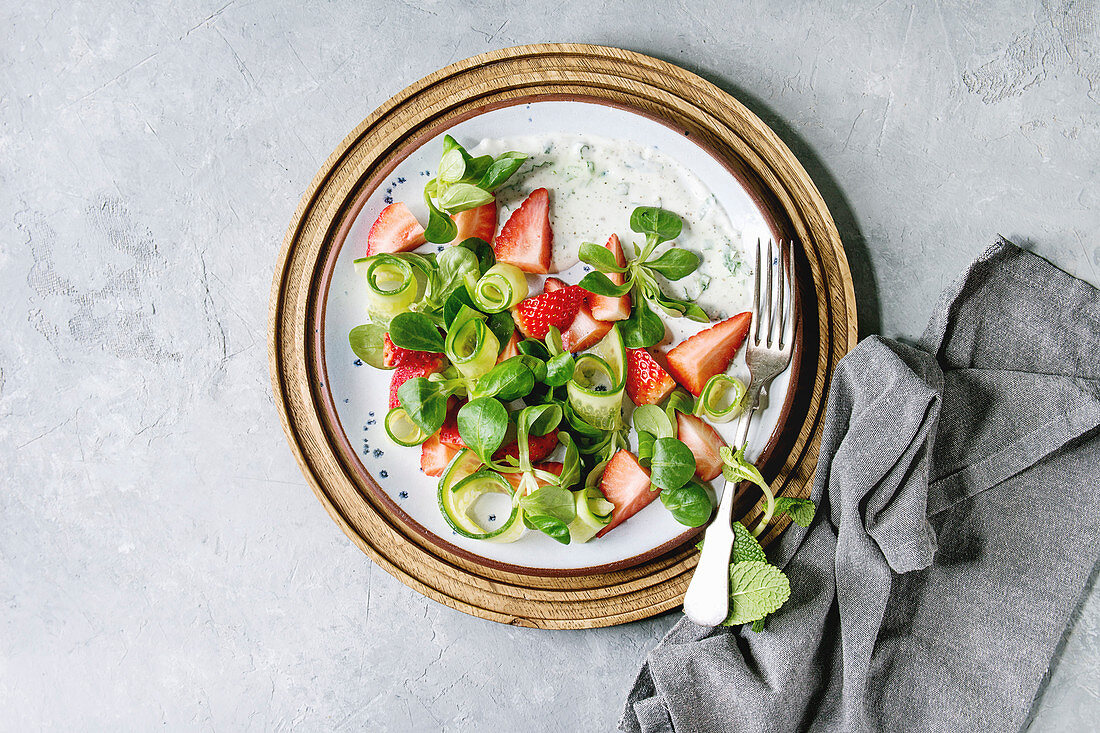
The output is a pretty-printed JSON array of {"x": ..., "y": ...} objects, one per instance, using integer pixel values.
[
  {"x": 689, "y": 504},
  {"x": 482, "y": 424},
  {"x": 367, "y": 343}
]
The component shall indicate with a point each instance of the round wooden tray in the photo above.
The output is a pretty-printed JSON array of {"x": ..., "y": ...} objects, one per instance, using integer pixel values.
[{"x": 683, "y": 101}]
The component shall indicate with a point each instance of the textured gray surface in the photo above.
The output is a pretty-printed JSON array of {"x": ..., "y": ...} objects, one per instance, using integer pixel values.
[{"x": 162, "y": 559}]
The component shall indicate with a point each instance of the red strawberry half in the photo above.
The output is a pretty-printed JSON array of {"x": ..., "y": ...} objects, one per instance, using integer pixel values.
[
  {"x": 395, "y": 230},
  {"x": 626, "y": 485},
  {"x": 709, "y": 352},
  {"x": 557, "y": 308},
  {"x": 538, "y": 447},
  {"x": 480, "y": 222},
  {"x": 585, "y": 330},
  {"x": 704, "y": 443},
  {"x": 395, "y": 356},
  {"x": 646, "y": 382},
  {"x": 435, "y": 455},
  {"x": 525, "y": 239},
  {"x": 404, "y": 373},
  {"x": 510, "y": 349},
  {"x": 605, "y": 308}
]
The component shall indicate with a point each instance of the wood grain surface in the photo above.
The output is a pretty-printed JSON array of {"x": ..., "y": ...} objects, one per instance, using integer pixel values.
[{"x": 680, "y": 99}]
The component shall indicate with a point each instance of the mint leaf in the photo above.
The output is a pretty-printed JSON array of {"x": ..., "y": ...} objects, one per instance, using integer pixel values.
[
  {"x": 801, "y": 511},
  {"x": 745, "y": 546},
  {"x": 756, "y": 589}
]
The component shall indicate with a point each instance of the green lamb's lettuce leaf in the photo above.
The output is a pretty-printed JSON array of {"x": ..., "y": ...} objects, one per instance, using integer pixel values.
[
  {"x": 416, "y": 331},
  {"x": 689, "y": 505},
  {"x": 482, "y": 424},
  {"x": 367, "y": 343},
  {"x": 656, "y": 223},
  {"x": 672, "y": 465},
  {"x": 675, "y": 263},
  {"x": 551, "y": 526},
  {"x": 425, "y": 402}
]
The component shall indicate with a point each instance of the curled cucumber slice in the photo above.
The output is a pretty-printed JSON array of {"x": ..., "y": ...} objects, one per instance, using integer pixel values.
[
  {"x": 472, "y": 347},
  {"x": 593, "y": 514},
  {"x": 720, "y": 400},
  {"x": 500, "y": 288},
  {"x": 402, "y": 430},
  {"x": 392, "y": 286},
  {"x": 457, "y": 501},
  {"x": 595, "y": 393}
]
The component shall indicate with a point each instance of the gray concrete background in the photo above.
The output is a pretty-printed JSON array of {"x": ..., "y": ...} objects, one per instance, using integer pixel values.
[{"x": 162, "y": 562}]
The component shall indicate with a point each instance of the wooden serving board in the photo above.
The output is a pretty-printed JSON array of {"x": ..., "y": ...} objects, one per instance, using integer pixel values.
[{"x": 676, "y": 97}]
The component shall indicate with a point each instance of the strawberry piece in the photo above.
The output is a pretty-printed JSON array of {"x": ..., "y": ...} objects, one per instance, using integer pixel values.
[
  {"x": 395, "y": 230},
  {"x": 585, "y": 331},
  {"x": 510, "y": 349},
  {"x": 605, "y": 308},
  {"x": 626, "y": 485},
  {"x": 395, "y": 356},
  {"x": 480, "y": 222},
  {"x": 538, "y": 447},
  {"x": 435, "y": 455},
  {"x": 406, "y": 372},
  {"x": 704, "y": 443},
  {"x": 448, "y": 434},
  {"x": 646, "y": 382},
  {"x": 551, "y": 466},
  {"x": 557, "y": 308},
  {"x": 709, "y": 352},
  {"x": 525, "y": 239}
]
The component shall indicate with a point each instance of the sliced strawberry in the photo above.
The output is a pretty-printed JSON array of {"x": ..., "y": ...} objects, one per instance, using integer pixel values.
[
  {"x": 704, "y": 442},
  {"x": 709, "y": 352},
  {"x": 395, "y": 230},
  {"x": 406, "y": 372},
  {"x": 435, "y": 455},
  {"x": 557, "y": 308},
  {"x": 480, "y": 222},
  {"x": 552, "y": 466},
  {"x": 525, "y": 239},
  {"x": 584, "y": 331},
  {"x": 646, "y": 382},
  {"x": 605, "y": 308},
  {"x": 448, "y": 434},
  {"x": 510, "y": 349},
  {"x": 626, "y": 485},
  {"x": 395, "y": 356},
  {"x": 538, "y": 447}
]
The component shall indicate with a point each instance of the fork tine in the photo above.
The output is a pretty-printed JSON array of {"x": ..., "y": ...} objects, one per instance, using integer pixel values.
[
  {"x": 754, "y": 328},
  {"x": 767, "y": 315},
  {"x": 792, "y": 289},
  {"x": 780, "y": 301}
]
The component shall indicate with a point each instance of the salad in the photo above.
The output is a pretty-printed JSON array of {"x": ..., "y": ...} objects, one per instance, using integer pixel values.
[{"x": 517, "y": 384}]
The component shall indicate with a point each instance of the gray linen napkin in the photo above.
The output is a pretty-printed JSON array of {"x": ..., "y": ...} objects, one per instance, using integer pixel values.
[{"x": 958, "y": 524}]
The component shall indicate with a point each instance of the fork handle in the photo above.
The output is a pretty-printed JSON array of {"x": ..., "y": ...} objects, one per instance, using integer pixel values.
[{"x": 707, "y": 601}]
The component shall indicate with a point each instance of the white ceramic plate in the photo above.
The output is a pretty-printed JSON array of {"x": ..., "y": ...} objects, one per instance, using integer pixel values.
[{"x": 360, "y": 393}]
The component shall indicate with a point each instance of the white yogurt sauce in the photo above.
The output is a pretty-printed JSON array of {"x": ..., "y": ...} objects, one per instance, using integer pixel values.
[{"x": 595, "y": 183}]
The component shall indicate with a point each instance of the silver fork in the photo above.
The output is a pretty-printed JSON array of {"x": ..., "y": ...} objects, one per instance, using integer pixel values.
[{"x": 768, "y": 353}]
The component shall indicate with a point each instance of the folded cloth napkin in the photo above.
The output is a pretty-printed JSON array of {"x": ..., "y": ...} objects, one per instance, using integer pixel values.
[{"x": 958, "y": 524}]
